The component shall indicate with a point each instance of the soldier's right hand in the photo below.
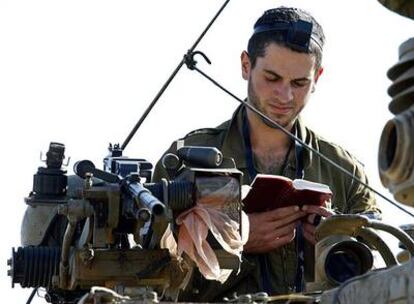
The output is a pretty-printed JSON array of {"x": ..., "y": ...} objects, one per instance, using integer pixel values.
[{"x": 272, "y": 229}]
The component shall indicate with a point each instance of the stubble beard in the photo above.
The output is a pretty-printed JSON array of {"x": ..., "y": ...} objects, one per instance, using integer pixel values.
[{"x": 253, "y": 99}]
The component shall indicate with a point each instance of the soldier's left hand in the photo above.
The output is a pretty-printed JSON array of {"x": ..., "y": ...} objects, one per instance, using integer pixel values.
[{"x": 312, "y": 219}]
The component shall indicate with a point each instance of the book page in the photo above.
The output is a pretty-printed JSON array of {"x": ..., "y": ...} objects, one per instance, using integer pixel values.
[{"x": 301, "y": 184}]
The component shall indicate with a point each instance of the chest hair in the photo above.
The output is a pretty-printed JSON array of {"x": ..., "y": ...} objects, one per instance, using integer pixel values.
[{"x": 271, "y": 162}]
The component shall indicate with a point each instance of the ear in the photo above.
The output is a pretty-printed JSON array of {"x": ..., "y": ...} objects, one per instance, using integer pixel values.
[
  {"x": 245, "y": 65},
  {"x": 318, "y": 74}
]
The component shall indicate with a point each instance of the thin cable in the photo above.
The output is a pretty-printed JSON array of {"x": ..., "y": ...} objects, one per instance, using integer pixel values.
[
  {"x": 29, "y": 300},
  {"x": 292, "y": 136},
  {"x": 167, "y": 83}
]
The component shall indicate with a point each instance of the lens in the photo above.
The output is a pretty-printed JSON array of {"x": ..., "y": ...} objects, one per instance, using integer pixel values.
[
  {"x": 343, "y": 265},
  {"x": 347, "y": 260},
  {"x": 396, "y": 157},
  {"x": 391, "y": 146}
]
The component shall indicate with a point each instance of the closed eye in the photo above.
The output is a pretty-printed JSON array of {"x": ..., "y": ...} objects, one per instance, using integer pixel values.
[
  {"x": 272, "y": 77},
  {"x": 300, "y": 83}
]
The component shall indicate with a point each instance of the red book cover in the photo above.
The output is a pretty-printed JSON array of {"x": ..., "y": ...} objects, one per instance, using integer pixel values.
[{"x": 268, "y": 192}]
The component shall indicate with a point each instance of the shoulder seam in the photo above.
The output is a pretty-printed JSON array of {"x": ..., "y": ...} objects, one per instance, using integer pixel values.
[{"x": 202, "y": 131}]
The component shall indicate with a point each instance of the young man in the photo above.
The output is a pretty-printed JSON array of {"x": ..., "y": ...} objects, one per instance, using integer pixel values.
[{"x": 282, "y": 66}]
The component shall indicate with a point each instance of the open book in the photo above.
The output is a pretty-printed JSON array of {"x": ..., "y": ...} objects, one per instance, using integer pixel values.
[{"x": 268, "y": 192}]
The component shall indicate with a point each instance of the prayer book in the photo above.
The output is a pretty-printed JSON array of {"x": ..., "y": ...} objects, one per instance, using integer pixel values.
[{"x": 268, "y": 192}]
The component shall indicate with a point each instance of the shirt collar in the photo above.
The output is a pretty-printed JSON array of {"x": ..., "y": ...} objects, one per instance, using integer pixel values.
[{"x": 234, "y": 146}]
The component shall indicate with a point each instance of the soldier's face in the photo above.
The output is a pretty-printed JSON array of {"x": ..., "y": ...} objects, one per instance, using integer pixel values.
[{"x": 280, "y": 83}]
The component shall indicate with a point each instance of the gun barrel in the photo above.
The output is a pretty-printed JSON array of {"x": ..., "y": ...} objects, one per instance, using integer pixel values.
[{"x": 145, "y": 197}]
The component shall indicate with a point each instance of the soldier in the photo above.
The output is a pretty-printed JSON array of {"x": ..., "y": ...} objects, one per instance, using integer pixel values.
[{"x": 282, "y": 65}]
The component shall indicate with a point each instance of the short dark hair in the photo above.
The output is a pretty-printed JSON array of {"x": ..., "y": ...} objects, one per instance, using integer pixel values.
[{"x": 274, "y": 33}]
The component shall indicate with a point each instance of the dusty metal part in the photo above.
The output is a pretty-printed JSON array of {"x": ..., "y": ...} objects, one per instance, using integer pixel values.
[
  {"x": 86, "y": 235},
  {"x": 354, "y": 225},
  {"x": 36, "y": 222},
  {"x": 64, "y": 260},
  {"x": 328, "y": 250},
  {"x": 340, "y": 224},
  {"x": 106, "y": 201},
  {"x": 393, "y": 285},
  {"x": 88, "y": 180},
  {"x": 104, "y": 295},
  {"x": 402, "y": 7},
  {"x": 398, "y": 233},
  {"x": 403, "y": 256},
  {"x": 337, "y": 234},
  {"x": 375, "y": 241},
  {"x": 263, "y": 297},
  {"x": 75, "y": 210},
  {"x": 396, "y": 157},
  {"x": 124, "y": 267}
]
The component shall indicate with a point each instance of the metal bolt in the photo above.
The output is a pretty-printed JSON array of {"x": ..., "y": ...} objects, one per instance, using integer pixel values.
[
  {"x": 151, "y": 297},
  {"x": 144, "y": 214},
  {"x": 63, "y": 209},
  {"x": 134, "y": 178},
  {"x": 87, "y": 255},
  {"x": 245, "y": 298},
  {"x": 88, "y": 180}
]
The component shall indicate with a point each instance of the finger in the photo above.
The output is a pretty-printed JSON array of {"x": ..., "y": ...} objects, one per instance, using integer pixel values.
[
  {"x": 261, "y": 226},
  {"x": 309, "y": 228},
  {"x": 309, "y": 237},
  {"x": 285, "y": 239},
  {"x": 314, "y": 219},
  {"x": 266, "y": 246},
  {"x": 270, "y": 236},
  {"x": 276, "y": 214},
  {"x": 280, "y": 232},
  {"x": 318, "y": 210},
  {"x": 282, "y": 240},
  {"x": 289, "y": 219},
  {"x": 280, "y": 213}
]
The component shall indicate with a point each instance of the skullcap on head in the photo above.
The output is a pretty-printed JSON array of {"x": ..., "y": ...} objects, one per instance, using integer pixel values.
[{"x": 295, "y": 27}]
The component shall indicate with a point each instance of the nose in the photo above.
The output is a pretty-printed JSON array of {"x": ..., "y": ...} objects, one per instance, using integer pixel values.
[{"x": 283, "y": 92}]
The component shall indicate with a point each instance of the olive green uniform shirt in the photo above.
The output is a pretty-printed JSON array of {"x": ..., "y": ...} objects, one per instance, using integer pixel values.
[{"x": 348, "y": 197}]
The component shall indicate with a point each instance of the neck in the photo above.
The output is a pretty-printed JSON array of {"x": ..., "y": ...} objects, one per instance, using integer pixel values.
[{"x": 264, "y": 138}]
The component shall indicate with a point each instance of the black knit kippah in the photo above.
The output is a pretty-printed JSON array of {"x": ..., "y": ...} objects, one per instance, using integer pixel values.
[{"x": 296, "y": 27}]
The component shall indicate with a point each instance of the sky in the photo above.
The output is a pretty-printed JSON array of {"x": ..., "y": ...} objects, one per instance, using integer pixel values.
[{"x": 83, "y": 72}]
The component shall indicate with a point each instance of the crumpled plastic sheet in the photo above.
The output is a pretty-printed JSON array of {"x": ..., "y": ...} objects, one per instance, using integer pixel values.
[{"x": 208, "y": 214}]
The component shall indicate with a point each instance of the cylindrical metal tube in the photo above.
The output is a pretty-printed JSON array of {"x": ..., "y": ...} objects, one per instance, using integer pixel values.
[
  {"x": 401, "y": 235},
  {"x": 340, "y": 258},
  {"x": 145, "y": 198},
  {"x": 34, "y": 266},
  {"x": 204, "y": 157},
  {"x": 396, "y": 157},
  {"x": 64, "y": 260},
  {"x": 372, "y": 238}
]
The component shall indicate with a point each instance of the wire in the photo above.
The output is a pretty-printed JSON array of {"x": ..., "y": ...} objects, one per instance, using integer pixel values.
[
  {"x": 169, "y": 80},
  {"x": 29, "y": 300},
  {"x": 293, "y": 137}
]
